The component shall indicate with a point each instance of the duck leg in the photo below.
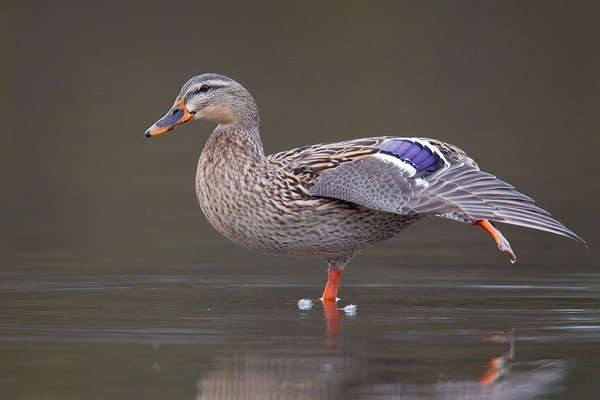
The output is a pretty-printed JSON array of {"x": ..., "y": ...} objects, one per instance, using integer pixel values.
[
  {"x": 501, "y": 241},
  {"x": 334, "y": 274},
  {"x": 333, "y": 283}
]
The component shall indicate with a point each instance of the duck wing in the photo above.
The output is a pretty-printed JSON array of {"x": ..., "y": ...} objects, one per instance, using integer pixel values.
[{"x": 414, "y": 176}]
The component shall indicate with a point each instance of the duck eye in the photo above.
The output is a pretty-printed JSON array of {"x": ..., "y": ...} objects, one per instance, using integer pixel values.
[{"x": 204, "y": 88}]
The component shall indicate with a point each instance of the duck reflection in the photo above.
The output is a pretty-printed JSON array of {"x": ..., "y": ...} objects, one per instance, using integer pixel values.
[
  {"x": 498, "y": 366},
  {"x": 332, "y": 318},
  {"x": 340, "y": 367}
]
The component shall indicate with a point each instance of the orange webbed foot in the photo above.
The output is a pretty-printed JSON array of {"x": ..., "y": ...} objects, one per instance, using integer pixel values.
[{"x": 503, "y": 244}]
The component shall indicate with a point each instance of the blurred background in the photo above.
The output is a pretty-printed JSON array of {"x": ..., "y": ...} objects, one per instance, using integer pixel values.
[{"x": 515, "y": 84}]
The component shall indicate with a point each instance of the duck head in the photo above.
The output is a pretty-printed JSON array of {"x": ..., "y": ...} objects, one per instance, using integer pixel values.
[{"x": 209, "y": 97}]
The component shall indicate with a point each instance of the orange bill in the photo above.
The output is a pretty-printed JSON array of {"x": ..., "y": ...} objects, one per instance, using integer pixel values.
[{"x": 177, "y": 115}]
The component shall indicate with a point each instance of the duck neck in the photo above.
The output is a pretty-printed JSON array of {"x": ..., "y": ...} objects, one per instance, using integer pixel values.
[{"x": 236, "y": 142}]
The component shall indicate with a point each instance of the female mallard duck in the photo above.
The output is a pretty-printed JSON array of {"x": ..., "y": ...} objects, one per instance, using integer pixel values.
[{"x": 331, "y": 200}]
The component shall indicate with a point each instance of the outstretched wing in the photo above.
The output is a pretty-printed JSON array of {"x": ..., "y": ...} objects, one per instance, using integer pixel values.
[{"x": 416, "y": 176}]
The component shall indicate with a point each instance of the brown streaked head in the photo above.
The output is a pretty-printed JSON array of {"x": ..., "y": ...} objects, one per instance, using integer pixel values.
[{"x": 209, "y": 97}]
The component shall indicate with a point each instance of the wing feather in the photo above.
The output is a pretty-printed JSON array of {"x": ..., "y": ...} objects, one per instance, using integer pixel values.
[{"x": 417, "y": 176}]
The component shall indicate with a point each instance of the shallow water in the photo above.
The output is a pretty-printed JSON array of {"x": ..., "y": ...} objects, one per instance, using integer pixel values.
[{"x": 192, "y": 334}]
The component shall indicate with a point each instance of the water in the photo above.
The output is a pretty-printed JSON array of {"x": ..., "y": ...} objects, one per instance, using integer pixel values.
[
  {"x": 421, "y": 333},
  {"x": 113, "y": 285}
]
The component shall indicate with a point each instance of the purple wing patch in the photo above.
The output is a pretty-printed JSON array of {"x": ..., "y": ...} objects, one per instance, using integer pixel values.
[{"x": 421, "y": 157}]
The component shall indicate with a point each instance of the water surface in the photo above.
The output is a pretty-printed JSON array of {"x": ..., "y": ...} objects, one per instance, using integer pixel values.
[{"x": 191, "y": 334}]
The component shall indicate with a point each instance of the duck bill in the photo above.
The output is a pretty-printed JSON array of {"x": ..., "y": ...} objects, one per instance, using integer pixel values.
[{"x": 177, "y": 115}]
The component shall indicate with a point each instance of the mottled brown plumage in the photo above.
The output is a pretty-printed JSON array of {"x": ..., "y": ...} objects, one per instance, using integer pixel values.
[
  {"x": 269, "y": 208},
  {"x": 331, "y": 200}
]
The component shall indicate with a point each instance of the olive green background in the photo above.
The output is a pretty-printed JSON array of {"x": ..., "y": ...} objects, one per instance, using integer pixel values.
[{"x": 94, "y": 217}]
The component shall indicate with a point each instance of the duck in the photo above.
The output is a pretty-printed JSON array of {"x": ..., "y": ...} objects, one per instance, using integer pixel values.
[{"x": 331, "y": 200}]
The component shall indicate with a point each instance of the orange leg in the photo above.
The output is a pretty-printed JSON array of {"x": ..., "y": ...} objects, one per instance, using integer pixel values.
[
  {"x": 501, "y": 241},
  {"x": 333, "y": 283}
]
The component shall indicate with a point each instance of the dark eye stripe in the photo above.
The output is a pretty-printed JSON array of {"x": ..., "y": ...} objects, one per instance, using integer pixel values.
[{"x": 197, "y": 91}]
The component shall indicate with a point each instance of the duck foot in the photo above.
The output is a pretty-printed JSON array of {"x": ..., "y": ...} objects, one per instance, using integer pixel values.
[{"x": 503, "y": 244}]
